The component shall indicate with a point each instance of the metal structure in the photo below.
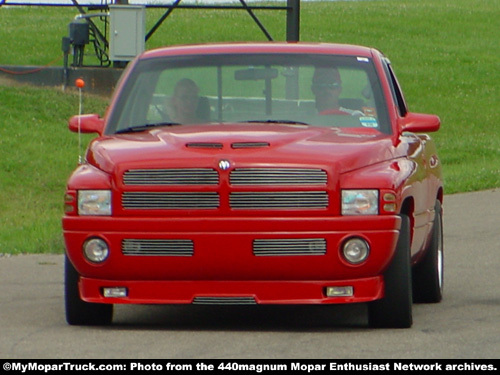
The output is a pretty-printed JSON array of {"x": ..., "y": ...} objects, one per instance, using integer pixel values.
[{"x": 92, "y": 25}]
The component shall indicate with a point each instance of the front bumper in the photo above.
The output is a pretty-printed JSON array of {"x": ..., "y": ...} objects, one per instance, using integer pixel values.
[{"x": 224, "y": 265}]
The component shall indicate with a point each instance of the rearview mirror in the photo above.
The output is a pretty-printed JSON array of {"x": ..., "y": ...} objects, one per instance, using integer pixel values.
[
  {"x": 87, "y": 124},
  {"x": 419, "y": 123},
  {"x": 253, "y": 74}
]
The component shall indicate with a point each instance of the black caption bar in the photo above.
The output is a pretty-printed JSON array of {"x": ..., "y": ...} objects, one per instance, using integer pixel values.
[{"x": 252, "y": 366}]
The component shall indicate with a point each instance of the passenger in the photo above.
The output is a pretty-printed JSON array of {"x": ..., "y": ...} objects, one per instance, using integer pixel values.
[
  {"x": 184, "y": 102},
  {"x": 326, "y": 87}
]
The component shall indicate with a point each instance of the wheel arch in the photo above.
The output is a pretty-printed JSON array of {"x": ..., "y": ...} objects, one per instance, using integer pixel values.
[
  {"x": 407, "y": 208},
  {"x": 440, "y": 195}
]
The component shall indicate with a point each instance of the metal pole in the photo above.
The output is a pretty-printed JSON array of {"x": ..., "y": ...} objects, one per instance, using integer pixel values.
[
  {"x": 293, "y": 21},
  {"x": 163, "y": 18},
  {"x": 292, "y": 35},
  {"x": 261, "y": 26}
]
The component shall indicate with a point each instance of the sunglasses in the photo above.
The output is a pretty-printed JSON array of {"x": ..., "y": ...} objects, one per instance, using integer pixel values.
[{"x": 319, "y": 86}]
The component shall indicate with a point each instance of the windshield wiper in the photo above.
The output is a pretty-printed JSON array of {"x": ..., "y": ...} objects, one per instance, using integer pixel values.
[
  {"x": 293, "y": 122},
  {"x": 140, "y": 128}
]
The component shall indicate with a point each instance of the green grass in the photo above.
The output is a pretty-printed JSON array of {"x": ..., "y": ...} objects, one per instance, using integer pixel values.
[
  {"x": 37, "y": 154},
  {"x": 445, "y": 53}
]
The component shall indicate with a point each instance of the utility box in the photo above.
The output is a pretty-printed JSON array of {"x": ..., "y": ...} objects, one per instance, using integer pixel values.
[
  {"x": 127, "y": 31},
  {"x": 79, "y": 32}
]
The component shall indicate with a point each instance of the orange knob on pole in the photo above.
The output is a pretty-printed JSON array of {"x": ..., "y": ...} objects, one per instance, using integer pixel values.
[{"x": 80, "y": 83}]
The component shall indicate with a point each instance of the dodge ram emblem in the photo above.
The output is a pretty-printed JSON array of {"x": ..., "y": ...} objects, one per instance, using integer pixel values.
[{"x": 224, "y": 165}]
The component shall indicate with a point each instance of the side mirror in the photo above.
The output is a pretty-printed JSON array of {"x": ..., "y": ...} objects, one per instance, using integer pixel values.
[
  {"x": 88, "y": 124},
  {"x": 419, "y": 123}
]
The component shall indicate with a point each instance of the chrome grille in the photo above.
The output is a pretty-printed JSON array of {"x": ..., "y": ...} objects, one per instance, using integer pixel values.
[
  {"x": 278, "y": 176},
  {"x": 170, "y": 200},
  {"x": 279, "y": 200},
  {"x": 181, "y": 176},
  {"x": 224, "y": 301},
  {"x": 289, "y": 246},
  {"x": 159, "y": 247}
]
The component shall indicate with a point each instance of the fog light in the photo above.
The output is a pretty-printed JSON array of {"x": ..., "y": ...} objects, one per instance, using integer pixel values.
[
  {"x": 116, "y": 292},
  {"x": 356, "y": 250},
  {"x": 95, "y": 250},
  {"x": 339, "y": 291}
]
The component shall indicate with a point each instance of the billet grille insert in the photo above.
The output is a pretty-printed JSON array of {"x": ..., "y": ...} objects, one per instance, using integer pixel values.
[
  {"x": 180, "y": 176},
  {"x": 278, "y": 176},
  {"x": 279, "y": 200},
  {"x": 158, "y": 247},
  {"x": 170, "y": 200},
  {"x": 224, "y": 301},
  {"x": 289, "y": 246}
]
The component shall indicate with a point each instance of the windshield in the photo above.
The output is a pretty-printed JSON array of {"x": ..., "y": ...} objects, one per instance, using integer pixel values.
[{"x": 317, "y": 90}]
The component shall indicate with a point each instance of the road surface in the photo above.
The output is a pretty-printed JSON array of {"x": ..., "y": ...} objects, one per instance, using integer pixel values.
[{"x": 465, "y": 325}]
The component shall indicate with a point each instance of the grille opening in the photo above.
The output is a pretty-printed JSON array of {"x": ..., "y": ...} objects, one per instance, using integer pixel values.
[
  {"x": 279, "y": 200},
  {"x": 289, "y": 246},
  {"x": 224, "y": 301},
  {"x": 157, "y": 247},
  {"x": 174, "y": 176},
  {"x": 278, "y": 176},
  {"x": 310, "y": 192},
  {"x": 170, "y": 200}
]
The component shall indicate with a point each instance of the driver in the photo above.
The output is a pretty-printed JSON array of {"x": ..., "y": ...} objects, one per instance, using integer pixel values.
[{"x": 326, "y": 87}]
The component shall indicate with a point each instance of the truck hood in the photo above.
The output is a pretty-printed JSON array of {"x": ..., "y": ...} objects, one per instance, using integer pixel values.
[{"x": 241, "y": 144}]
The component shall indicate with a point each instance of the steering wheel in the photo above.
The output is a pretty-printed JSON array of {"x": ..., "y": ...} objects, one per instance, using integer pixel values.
[{"x": 333, "y": 112}]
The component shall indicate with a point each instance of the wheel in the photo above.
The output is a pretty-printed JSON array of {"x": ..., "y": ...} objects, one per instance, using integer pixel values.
[
  {"x": 79, "y": 312},
  {"x": 428, "y": 273},
  {"x": 394, "y": 310}
]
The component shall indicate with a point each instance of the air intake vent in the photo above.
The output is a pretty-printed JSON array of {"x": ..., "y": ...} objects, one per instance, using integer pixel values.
[
  {"x": 160, "y": 247},
  {"x": 224, "y": 301},
  {"x": 289, "y": 246},
  {"x": 213, "y": 145},
  {"x": 278, "y": 176},
  {"x": 279, "y": 200},
  {"x": 170, "y": 201},
  {"x": 237, "y": 145},
  {"x": 176, "y": 176}
]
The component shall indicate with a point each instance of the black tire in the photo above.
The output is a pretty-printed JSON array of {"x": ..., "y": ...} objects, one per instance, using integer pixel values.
[
  {"x": 79, "y": 312},
  {"x": 394, "y": 310},
  {"x": 428, "y": 273}
]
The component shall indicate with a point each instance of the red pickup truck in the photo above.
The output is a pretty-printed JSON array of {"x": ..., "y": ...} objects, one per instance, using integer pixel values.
[{"x": 256, "y": 173}]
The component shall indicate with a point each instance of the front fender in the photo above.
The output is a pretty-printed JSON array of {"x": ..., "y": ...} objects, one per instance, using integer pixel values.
[{"x": 393, "y": 174}]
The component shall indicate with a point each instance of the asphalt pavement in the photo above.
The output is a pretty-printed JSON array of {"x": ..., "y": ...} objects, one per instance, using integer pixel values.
[{"x": 465, "y": 325}]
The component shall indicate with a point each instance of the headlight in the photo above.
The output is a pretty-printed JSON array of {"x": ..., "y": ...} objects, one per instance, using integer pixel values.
[
  {"x": 94, "y": 202},
  {"x": 359, "y": 202}
]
